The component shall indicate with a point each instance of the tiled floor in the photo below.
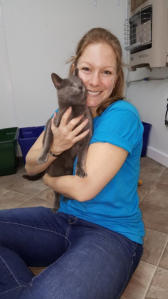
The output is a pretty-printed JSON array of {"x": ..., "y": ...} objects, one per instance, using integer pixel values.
[{"x": 150, "y": 281}]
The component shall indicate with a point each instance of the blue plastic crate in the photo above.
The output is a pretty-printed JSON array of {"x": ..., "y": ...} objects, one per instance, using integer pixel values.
[
  {"x": 27, "y": 137},
  {"x": 147, "y": 128}
]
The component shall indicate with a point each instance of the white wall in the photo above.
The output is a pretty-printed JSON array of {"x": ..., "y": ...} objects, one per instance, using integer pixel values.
[
  {"x": 151, "y": 100},
  {"x": 36, "y": 38}
]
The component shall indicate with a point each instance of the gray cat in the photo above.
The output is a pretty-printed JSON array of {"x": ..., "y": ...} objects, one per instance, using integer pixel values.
[{"x": 71, "y": 92}]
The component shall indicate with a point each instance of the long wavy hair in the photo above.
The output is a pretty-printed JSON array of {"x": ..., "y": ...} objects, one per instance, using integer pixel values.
[{"x": 99, "y": 35}]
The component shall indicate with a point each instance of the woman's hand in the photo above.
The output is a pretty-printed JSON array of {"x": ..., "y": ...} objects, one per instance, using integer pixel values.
[
  {"x": 65, "y": 136},
  {"x": 68, "y": 132}
]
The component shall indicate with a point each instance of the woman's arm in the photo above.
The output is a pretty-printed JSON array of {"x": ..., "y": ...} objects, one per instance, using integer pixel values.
[
  {"x": 32, "y": 166},
  {"x": 64, "y": 137},
  {"x": 103, "y": 162}
]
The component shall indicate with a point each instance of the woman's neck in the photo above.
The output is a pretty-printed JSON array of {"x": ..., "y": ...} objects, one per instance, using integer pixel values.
[{"x": 93, "y": 111}]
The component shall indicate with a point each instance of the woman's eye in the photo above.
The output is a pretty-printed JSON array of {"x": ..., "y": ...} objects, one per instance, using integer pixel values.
[
  {"x": 106, "y": 72},
  {"x": 85, "y": 68}
]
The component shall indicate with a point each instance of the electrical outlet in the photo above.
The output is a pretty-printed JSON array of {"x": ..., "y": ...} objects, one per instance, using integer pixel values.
[{"x": 166, "y": 115}]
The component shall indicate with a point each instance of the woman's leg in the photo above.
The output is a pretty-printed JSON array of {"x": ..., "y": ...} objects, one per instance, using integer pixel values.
[
  {"x": 28, "y": 237},
  {"x": 34, "y": 234},
  {"x": 13, "y": 270},
  {"x": 97, "y": 265}
]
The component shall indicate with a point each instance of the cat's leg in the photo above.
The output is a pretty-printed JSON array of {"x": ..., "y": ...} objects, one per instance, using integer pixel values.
[
  {"x": 47, "y": 140},
  {"x": 48, "y": 137},
  {"x": 82, "y": 152},
  {"x": 81, "y": 163}
]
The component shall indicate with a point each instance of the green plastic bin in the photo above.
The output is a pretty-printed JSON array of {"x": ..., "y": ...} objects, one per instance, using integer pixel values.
[{"x": 8, "y": 148}]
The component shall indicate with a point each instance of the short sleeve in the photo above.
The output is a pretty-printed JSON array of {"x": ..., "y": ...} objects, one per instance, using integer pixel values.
[{"x": 120, "y": 127}]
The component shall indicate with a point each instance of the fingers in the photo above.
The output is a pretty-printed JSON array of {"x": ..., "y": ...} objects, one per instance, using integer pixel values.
[
  {"x": 79, "y": 128},
  {"x": 65, "y": 117},
  {"x": 74, "y": 122},
  {"x": 69, "y": 131},
  {"x": 71, "y": 124},
  {"x": 81, "y": 136}
]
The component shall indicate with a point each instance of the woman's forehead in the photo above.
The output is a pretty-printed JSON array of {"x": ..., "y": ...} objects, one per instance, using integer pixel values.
[{"x": 99, "y": 54}]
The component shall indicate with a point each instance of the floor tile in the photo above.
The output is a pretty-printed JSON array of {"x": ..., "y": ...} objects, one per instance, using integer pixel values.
[
  {"x": 19, "y": 184},
  {"x": 139, "y": 282},
  {"x": 164, "y": 177},
  {"x": 164, "y": 259},
  {"x": 35, "y": 202},
  {"x": 159, "y": 285},
  {"x": 158, "y": 196},
  {"x": 144, "y": 190},
  {"x": 37, "y": 270},
  {"x": 155, "y": 217},
  {"x": 154, "y": 245},
  {"x": 151, "y": 165},
  {"x": 9, "y": 179},
  {"x": 151, "y": 171},
  {"x": 46, "y": 194},
  {"x": 150, "y": 174},
  {"x": 11, "y": 199}
]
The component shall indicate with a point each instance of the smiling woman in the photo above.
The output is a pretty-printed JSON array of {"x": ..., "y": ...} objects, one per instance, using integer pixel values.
[
  {"x": 103, "y": 65},
  {"x": 94, "y": 242},
  {"x": 98, "y": 75}
]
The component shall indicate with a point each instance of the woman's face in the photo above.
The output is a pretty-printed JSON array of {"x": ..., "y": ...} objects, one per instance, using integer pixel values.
[{"x": 97, "y": 70}]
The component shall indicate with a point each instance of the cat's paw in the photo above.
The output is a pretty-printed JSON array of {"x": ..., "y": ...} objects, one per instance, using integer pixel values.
[{"x": 80, "y": 172}]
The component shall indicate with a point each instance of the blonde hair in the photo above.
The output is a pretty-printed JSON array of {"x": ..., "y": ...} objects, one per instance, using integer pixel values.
[{"x": 98, "y": 35}]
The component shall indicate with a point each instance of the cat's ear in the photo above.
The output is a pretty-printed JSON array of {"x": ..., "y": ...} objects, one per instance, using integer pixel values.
[{"x": 56, "y": 80}]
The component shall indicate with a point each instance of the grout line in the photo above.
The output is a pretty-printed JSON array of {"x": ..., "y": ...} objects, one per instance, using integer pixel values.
[
  {"x": 162, "y": 252},
  {"x": 150, "y": 283},
  {"x": 157, "y": 266}
]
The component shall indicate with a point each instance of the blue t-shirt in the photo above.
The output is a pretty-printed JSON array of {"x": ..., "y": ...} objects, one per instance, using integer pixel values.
[{"x": 116, "y": 207}]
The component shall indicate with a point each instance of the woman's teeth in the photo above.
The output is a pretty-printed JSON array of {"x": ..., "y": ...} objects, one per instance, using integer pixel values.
[{"x": 94, "y": 93}]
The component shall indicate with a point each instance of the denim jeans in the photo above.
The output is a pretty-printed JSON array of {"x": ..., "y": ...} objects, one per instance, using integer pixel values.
[{"x": 83, "y": 260}]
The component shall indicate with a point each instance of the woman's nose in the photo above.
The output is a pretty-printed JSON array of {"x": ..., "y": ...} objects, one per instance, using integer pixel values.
[{"x": 94, "y": 79}]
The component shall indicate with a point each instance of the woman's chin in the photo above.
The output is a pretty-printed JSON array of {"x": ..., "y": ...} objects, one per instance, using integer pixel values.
[{"x": 92, "y": 103}]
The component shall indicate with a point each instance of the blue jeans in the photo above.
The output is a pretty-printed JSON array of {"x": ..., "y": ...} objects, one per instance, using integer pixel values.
[{"x": 83, "y": 260}]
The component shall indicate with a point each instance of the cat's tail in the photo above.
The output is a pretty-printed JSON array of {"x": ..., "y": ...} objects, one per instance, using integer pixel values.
[{"x": 33, "y": 177}]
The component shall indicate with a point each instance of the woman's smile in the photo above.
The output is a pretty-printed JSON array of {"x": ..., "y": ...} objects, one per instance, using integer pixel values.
[{"x": 93, "y": 93}]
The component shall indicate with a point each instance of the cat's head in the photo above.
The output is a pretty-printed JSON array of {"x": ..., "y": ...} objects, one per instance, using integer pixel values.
[{"x": 70, "y": 91}]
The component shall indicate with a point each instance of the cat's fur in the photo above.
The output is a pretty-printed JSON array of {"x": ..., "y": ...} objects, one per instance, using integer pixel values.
[{"x": 71, "y": 92}]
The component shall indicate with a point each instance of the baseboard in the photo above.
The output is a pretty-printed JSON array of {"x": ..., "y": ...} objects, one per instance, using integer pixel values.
[{"x": 157, "y": 155}]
